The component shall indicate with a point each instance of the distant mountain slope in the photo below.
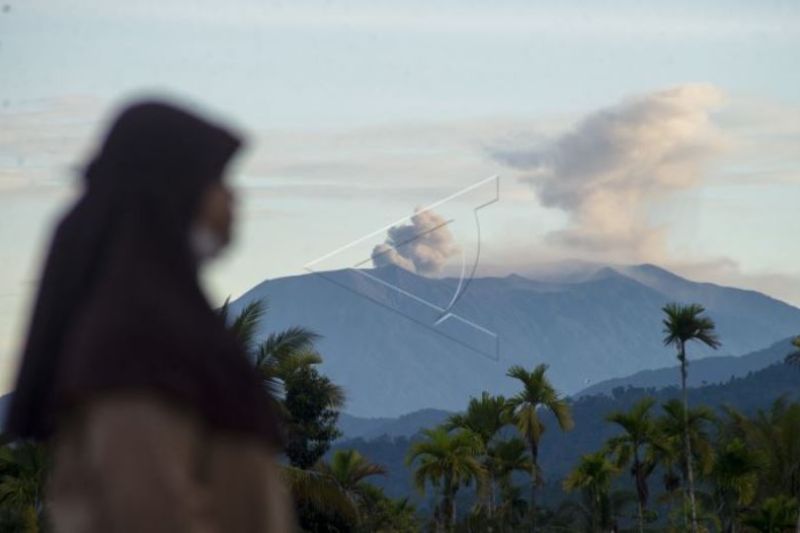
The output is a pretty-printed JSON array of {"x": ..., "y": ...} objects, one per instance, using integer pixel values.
[
  {"x": 560, "y": 451},
  {"x": 713, "y": 369},
  {"x": 353, "y": 427},
  {"x": 381, "y": 345},
  {"x": 703, "y": 373}
]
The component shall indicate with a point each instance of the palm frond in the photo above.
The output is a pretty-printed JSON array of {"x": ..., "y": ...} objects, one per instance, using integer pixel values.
[
  {"x": 284, "y": 343},
  {"x": 684, "y": 323},
  {"x": 245, "y": 325},
  {"x": 320, "y": 491}
]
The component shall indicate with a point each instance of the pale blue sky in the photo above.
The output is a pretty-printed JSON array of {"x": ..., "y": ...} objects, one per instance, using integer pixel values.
[{"x": 359, "y": 111}]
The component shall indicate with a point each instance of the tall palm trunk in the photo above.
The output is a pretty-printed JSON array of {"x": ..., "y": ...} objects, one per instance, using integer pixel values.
[
  {"x": 534, "y": 479},
  {"x": 640, "y": 517},
  {"x": 448, "y": 510},
  {"x": 687, "y": 440},
  {"x": 442, "y": 512},
  {"x": 597, "y": 513},
  {"x": 491, "y": 500},
  {"x": 670, "y": 495},
  {"x": 637, "y": 468},
  {"x": 685, "y": 502}
]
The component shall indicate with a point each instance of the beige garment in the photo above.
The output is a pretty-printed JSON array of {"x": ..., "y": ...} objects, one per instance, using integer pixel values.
[{"x": 134, "y": 463}]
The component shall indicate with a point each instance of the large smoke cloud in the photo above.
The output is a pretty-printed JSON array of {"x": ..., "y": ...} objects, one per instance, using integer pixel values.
[
  {"x": 607, "y": 170},
  {"x": 423, "y": 246}
]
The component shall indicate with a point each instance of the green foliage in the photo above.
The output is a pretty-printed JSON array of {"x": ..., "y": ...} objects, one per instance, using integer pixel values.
[
  {"x": 245, "y": 325},
  {"x": 23, "y": 470},
  {"x": 593, "y": 477},
  {"x": 485, "y": 417},
  {"x": 684, "y": 323},
  {"x": 287, "y": 362},
  {"x": 537, "y": 392},
  {"x": 747, "y": 467},
  {"x": 774, "y": 515},
  {"x": 734, "y": 477},
  {"x": 381, "y": 514},
  {"x": 446, "y": 460},
  {"x": 349, "y": 469},
  {"x": 775, "y": 433},
  {"x": 506, "y": 457},
  {"x": 633, "y": 448},
  {"x": 591, "y": 516},
  {"x": 280, "y": 353},
  {"x": 319, "y": 498},
  {"x": 671, "y": 431},
  {"x": 312, "y": 402}
]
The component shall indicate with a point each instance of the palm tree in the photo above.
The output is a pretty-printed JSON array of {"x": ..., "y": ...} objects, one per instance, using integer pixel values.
[
  {"x": 381, "y": 514},
  {"x": 639, "y": 433},
  {"x": 668, "y": 453},
  {"x": 281, "y": 352},
  {"x": 593, "y": 476},
  {"x": 777, "y": 433},
  {"x": 485, "y": 417},
  {"x": 537, "y": 392},
  {"x": 672, "y": 424},
  {"x": 512, "y": 506},
  {"x": 794, "y": 357},
  {"x": 776, "y": 515},
  {"x": 349, "y": 469},
  {"x": 670, "y": 448},
  {"x": 448, "y": 460},
  {"x": 320, "y": 492},
  {"x": 278, "y": 358},
  {"x": 735, "y": 478},
  {"x": 509, "y": 456},
  {"x": 505, "y": 458},
  {"x": 245, "y": 325},
  {"x": 580, "y": 514},
  {"x": 683, "y": 324}
]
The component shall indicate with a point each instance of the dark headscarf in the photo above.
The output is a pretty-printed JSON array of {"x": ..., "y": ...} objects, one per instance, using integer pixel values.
[{"x": 119, "y": 306}]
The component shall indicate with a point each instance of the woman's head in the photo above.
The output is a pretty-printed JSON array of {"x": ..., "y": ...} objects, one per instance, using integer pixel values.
[{"x": 166, "y": 166}]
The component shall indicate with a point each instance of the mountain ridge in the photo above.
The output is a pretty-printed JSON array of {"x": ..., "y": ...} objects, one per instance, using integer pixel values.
[
  {"x": 709, "y": 370},
  {"x": 744, "y": 366},
  {"x": 384, "y": 347}
]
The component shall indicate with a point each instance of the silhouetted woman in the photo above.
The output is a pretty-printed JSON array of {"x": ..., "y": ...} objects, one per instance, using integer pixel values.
[{"x": 157, "y": 420}]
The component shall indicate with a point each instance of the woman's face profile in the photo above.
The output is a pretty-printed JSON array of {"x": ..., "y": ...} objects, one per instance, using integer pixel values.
[{"x": 216, "y": 212}]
